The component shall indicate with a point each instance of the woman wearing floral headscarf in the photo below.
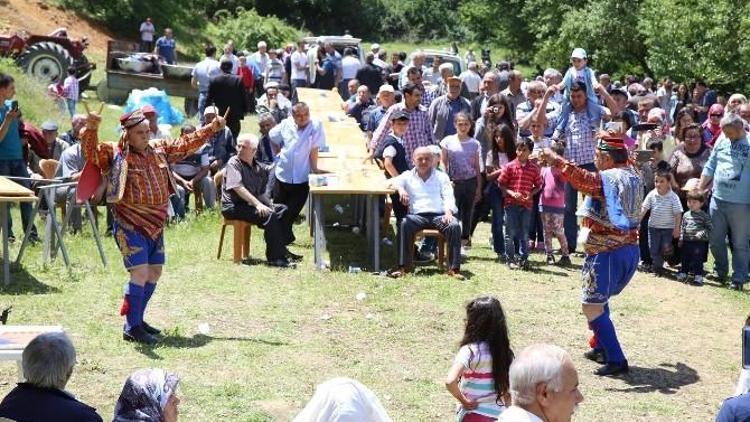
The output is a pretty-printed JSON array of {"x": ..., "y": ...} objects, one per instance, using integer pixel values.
[
  {"x": 148, "y": 395},
  {"x": 715, "y": 113}
]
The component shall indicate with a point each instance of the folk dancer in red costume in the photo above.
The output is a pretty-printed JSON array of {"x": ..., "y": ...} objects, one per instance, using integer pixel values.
[{"x": 138, "y": 185}]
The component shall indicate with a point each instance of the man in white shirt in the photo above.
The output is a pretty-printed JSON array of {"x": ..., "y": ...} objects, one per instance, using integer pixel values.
[
  {"x": 259, "y": 60},
  {"x": 202, "y": 73},
  {"x": 543, "y": 386},
  {"x": 428, "y": 194},
  {"x": 471, "y": 79},
  {"x": 349, "y": 66},
  {"x": 300, "y": 66},
  {"x": 147, "y": 36}
]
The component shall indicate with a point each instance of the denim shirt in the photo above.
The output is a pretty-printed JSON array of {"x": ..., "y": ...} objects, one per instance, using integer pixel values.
[{"x": 728, "y": 165}]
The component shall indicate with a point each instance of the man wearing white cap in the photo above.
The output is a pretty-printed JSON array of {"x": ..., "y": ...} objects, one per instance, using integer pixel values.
[{"x": 385, "y": 99}]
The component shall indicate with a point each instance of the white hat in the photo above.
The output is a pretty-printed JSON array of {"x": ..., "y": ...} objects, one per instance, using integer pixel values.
[
  {"x": 375, "y": 47},
  {"x": 445, "y": 66},
  {"x": 386, "y": 88},
  {"x": 578, "y": 53},
  {"x": 211, "y": 110}
]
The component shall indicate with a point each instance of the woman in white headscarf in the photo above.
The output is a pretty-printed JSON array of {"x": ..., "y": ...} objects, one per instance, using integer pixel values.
[
  {"x": 343, "y": 400},
  {"x": 148, "y": 395}
]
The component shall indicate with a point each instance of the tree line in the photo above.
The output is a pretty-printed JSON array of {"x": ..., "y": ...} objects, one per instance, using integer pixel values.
[{"x": 682, "y": 39}]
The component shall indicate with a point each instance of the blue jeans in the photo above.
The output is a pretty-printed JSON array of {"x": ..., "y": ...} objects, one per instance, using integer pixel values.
[
  {"x": 658, "y": 241},
  {"x": 570, "y": 222},
  {"x": 201, "y": 105},
  {"x": 17, "y": 168},
  {"x": 726, "y": 216},
  {"x": 71, "y": 106},
  {"x": 517, "y": 229},
  {"x": 495, "y": 197}
]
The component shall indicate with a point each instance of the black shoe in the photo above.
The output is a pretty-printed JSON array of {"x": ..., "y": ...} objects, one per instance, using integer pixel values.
[
  {"x": 34, "y": 239},
  {"x": 564, "y": 261},
  {"x": 596, "y": 356},
  {"x": 423, "y": 257},
  {"x": 149, "y": 329},
  {"x": 612, "y": 369},
  {"x": 281, "y": 263},
  {"x": 524, "y": 265},
  {"x": 294, "y": 257},
  {"x": 736, "y": 286},
  {"x": 139, "y": 335},
  {"x": 550, "y": 259}
]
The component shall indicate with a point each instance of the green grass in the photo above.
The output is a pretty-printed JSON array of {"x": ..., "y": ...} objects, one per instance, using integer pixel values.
[{"x": 275, "y": 334}]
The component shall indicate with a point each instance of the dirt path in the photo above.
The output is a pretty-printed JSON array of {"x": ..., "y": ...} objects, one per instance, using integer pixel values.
[{"x": 36, "y": 16}]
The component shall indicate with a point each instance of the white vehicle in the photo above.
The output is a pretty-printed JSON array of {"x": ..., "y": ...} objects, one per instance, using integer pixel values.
[
  {"x": 339, "y": 42},
  {"x": 445, "y": 57}
]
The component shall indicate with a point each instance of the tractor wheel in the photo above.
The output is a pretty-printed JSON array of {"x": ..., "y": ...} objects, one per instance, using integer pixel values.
[
  {"x": 83, "y": 84},
  {"x": 46, "y": 61}
]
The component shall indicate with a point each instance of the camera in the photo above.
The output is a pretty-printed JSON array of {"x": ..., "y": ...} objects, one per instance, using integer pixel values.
[{"x": 14, "y": 105}]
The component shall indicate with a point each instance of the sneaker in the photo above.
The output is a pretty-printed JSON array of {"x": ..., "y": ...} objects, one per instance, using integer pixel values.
[
  {"x": 698, "y": 280},
  {"x": 595, "y": 355},
  {"x": 612, "y": 369},
  {"x": 645, "y": 268},
  {"x": 511, "y": 263},
  {"x": 139, "y": 335},
  {"x": 151, "y": 330},
  {"x": 464, "y": 252},
  {"x": 682, "y": 277},
  {"x": 293, "y": 257},
  {"x": 550, "y": 259},
  {"x": 564, "y": 261},
  {"x": 524, "y": 265}
]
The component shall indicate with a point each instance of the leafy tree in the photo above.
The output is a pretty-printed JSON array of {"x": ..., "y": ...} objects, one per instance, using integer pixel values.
[
  {"x": 688, "y": 39},
  {"x": 248, "y": 27}
]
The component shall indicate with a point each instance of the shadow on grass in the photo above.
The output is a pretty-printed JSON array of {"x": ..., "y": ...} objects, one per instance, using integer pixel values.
[
  {"x": 176, "y": 341},
  {"x": 427, "y": 271},
  {"x": 666, "y": 379},
  {"x": 23, "y": 283}
]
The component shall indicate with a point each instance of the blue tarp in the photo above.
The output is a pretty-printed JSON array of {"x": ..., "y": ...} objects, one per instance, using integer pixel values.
[{"x": 158, "y": 100}]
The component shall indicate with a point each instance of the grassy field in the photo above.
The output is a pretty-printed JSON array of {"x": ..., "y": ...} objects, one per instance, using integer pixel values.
[{"x": 274, "y": 334}]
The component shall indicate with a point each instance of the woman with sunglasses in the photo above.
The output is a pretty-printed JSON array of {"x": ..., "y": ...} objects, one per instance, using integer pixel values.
[{"x": 711, "y": 125}]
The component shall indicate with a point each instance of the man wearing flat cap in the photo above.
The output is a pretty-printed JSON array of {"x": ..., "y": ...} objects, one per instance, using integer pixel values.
[
  {"x": 610, "y": 227},
  {"x": 138, "y": 185},
  {"x": 52, "y": 149}
]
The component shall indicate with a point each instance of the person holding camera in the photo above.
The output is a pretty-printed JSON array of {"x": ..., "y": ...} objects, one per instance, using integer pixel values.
[{"x": 11, "y": 148}]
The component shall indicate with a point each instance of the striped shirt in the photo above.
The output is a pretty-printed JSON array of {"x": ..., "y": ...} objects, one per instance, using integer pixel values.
[
  {"x": 70, "y": 88},
  {"x": 696, "y": 225},
  {"x": 663, "y": 209},
  {"x": 418, "y": 133},
  {"x": 477, "y": 382},
  {"x": 521, "y": 178}
]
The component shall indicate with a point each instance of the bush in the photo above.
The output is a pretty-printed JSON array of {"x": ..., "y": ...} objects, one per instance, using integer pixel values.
[
  {"x": 31, "y": 94},
  {"x": 248, "y": 27}
]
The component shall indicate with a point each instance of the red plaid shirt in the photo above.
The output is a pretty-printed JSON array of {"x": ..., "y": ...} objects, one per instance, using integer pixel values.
[{"x": 521, "y": 178}]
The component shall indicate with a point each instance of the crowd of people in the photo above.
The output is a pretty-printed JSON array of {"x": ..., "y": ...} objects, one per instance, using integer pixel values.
[{"x": 661, "y": 168}]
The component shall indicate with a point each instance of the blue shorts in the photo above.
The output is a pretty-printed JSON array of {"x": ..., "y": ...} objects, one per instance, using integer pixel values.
[
  {"x": 606, "y": 274},
  {"x": 138, "y": 249}
]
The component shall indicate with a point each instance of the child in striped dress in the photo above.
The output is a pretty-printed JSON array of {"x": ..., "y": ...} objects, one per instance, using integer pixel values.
[{"x": 478, "y": 378}]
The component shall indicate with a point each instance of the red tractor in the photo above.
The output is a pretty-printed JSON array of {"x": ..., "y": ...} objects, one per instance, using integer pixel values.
[{"x": 48, "y": 57}]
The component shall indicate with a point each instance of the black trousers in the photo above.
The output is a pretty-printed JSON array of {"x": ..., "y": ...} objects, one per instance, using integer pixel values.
[
  {"x": 413, "y": 223},
  {"x": 234, "y": 127},
  {"x": 294, "y": 196},
  {"x": 465, "y": 191},
  {"x": 272, "y": 226}
]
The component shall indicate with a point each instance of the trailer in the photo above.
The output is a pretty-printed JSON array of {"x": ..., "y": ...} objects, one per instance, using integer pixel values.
[{"x": 121, "y": 78}]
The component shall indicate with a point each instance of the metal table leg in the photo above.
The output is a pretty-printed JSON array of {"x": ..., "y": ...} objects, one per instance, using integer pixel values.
[
  {"x": 373, "y": 230},
  {"x": 6, "y": 258},
  {"x": 52, "y": 220},
  {"x": 27, "y": 232},
  {"x": 319, "y": 239},
  {"x": 95, "y": 230}
]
